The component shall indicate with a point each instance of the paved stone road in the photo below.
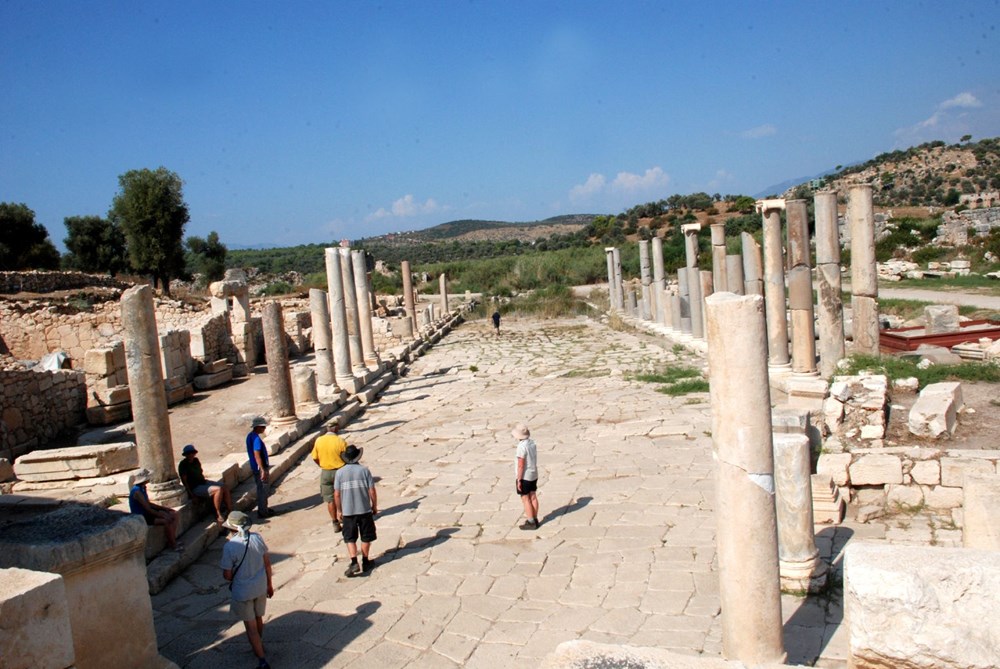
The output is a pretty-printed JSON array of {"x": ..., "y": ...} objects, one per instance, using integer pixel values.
[{"x": 625, "y": 554}]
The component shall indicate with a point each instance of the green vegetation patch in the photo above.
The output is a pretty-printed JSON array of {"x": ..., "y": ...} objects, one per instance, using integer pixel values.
[
  {"x": 670, "y": 375},
  {"x": 684, "y": 387},
  {"x": 901, "y": 368},
  {"x": 675, "y": 381}
]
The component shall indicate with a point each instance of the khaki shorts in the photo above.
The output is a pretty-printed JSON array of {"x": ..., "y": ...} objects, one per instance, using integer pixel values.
[
  {"x": 249, "y": 609},
  {"x": 326, "y": 478}
]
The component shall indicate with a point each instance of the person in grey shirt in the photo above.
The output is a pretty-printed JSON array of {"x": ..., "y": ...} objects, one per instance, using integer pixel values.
[
  {"x": 357, "y": 503},
  {"x": 526, "y": 475},
  {"x": 247, "y": 566}
]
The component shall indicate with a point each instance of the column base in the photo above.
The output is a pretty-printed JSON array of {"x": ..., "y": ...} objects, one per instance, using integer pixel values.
[
  {"x": 801, "y": 577},
  {"x": 284, "y": 421},
  {"x": 349, "y": 384},
  {"x": 169, "y": 493}
]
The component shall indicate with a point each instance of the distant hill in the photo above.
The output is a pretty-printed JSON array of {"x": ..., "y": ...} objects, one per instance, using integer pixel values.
[{"x": 480, "y": 230}]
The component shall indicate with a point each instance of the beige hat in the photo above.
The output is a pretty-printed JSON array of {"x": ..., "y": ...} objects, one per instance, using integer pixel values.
[
  {"x": 141, "y": 476},
  {"x": 259, "y": 421},
  {"x": 238, "y": 520},
  {"x": 520, "y": 432}
]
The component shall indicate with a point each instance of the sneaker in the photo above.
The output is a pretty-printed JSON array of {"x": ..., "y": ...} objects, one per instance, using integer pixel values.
[
  {"x": 527, "y": 525},
  {"x": 337, "y": 527},
  {"x": 262, "y": 664},
  {"x": 352, "y": 570},
  {"x": 367, "y": 565}
]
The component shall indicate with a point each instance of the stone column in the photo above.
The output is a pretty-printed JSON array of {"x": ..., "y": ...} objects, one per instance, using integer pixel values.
[
  {"x": 831, "y": 305},
  {"x": 278, "y": 375},
  {"x": 800, "y": 566},
  {"x": 338, "y": 323},
  {"x": 707, "y": 288},
  {"x": 611, "y": 278},
  {"x": 443, "y": 287},
  {"x": 774, "y": 284},
  {"x": 690, "y": 231},
  {"x": 632, "y": 300},
  {"x": 864, "y": 273},
  {"x": 746, "y": 528},
  {"x": 304, "y": 382},
  {"x": 353, "y": 320},
  {"x": 364, "y": 308},
  {"x": 646, "y": 278},
  {"x": 676, "y": 313},
  {"x": 149, "y": 395},
  {"x": 319, "y": 308},
  {"x": 800, "y": 295},
  {"x": 734, "y": 274},
  {"x": 753, "y": 270},
  {"x": 684, "y": 292},
  {"x": 695, "y": 302},
  {"x": 616, "y": 263},
  {"x": 404, "y": 270},
  {"x": 719, "y": 269},
  {"x": 659, "y": 283}
]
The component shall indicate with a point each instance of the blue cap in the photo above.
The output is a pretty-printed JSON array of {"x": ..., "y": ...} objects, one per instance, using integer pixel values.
[{"x": 189, "y": 449}]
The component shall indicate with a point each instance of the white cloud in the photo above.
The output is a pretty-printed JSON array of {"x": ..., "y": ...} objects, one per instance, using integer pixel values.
[
  {"x": 597, "y": 189},
  {"x": 964, "y": 100},
  {"x": 765, "y": 130},
  {"x": 406, "y": 207}
]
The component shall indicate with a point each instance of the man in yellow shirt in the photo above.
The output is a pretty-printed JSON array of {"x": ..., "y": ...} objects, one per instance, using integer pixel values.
[{"x": 326, "y": 453}]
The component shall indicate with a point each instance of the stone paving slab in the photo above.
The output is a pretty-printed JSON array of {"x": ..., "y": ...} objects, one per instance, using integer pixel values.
[{"x": 625, "y": 553}]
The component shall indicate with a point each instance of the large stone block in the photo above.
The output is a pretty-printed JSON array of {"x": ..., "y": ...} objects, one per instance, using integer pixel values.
[
  {"x": 106, "y": 415},
  {"x": 955, "y": 470},
  {"x": 99, "y": 362},
  {"x": 914, "y": 607},
  {"x": 926, "y": 472},
  {"x": 876, "y": 469},
  {"x": 981, "y": 501},
  {"x": 61, "y": 464},
  {"x": 935, "y": 413},
  {"x": 941, "y": 318},
  {"x": 34, "y": 620},
  {"x": 836, "y": 466}
]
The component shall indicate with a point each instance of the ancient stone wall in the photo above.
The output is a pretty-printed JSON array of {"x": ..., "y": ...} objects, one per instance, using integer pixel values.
[
  {"x": 29, "y": 330},
  {"x": 47, "y": 282},
  {"x": 956, "y": 228},
  {"x": 37, "y": 406},
  {"x": 212, "y": 341}
]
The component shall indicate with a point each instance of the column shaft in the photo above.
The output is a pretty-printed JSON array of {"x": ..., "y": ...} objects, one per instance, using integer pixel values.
[
  {"x": 351, "y": 307},
  {"x": 322, "y": 337},
  {"x": 800, "y": 288},
  {"x": 443, "y": 287},
  {"x": 774, "y": 290},
  {"x": 404, "y": 270},
  {"x": 719, "y": 270},
  {"x": 659, "y": 283},
  {"x": 695, "y": 302},
  {"x": 831, "y": 305},
  {"x": 338, "y": 322},
  {"x": 734, "y": 274},
  {"x": 278, "y": 374},
  {"x": 753, "y": 270},
  {"x": 864, "y": 274},
  {"x": 364, "y": 308}
]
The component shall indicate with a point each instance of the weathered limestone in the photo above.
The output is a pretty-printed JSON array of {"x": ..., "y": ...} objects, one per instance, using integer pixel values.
[
  {"x": 99, "y": 554},
  {"x": 753, "y": 270},
  {"x": 77, "y": 462},
  {"x": 734, "y": 274},
  {"x": 831, "y": 305},
  {"x": 684, "y": 291},
  {"x": 351, "y": 309},
  {"x": 580, "y": 654},
  {"x": 647, "y": 312},
  {"x": 35, "y": 631},
  {"x": 941, "y": 318},
  {"x": 935, "y": 413},
  {"x": 612, "y": 295},
  {"x": 278, "y": 374},
  {"x": 338, "y": 321},
  {"x": 662, "y": 315},
  {"x": 616, "y": 264},
  {"x": 774, "y": 284},
  {"x": 981, "y": 523},
  {"x": 690, "y": 231},
  {"x": 706, "y": 288},
  {"x": 800, "y": 295},
  {"x": 696, "y": 304},
  {"x": 304, "y": 388},
  {"x": 443, "y": 288},
  {"x": 149, "y": 396},
  {"x": 719, "y": 269},
  {"x": 746, "y": 531},
  {"x": 365, "y": 307},
  {"x": 864, "y": 273},
  {"x": 319, "y": 308},
  {"x": 404, "y": 270},
  {"x": 914, "y": 606},
  {"x": 232, "y": 297},
  {"x": 800, "y": 566},
  {"x": 676, "y": 313}
]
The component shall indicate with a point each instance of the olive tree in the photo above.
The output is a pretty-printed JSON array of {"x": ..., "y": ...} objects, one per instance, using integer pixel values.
[
  {"x": 95, "y": 244},
  {"x": 24, "y": 244},
  {"x": 149, "y": 207}
]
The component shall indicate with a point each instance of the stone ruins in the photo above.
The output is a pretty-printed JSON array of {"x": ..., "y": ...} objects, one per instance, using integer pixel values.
[{"x": 791, "y": 442}]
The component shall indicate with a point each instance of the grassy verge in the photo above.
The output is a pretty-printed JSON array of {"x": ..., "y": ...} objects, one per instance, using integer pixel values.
[
  {"x": 977, "y": 284},
  {"x": 675, "y": 381},
  {"x": 901, "y": 368}
]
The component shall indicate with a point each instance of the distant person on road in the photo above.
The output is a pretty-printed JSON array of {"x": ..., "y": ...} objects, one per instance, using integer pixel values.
[
  {"x": 154, "y": 514},
  {"x": 194, "y": 481},
  {"x": 327, "y": 452},
  {"x": 357, "y": 504},
  {"x": 260, "y": 466},
  {"x": 247, "y": 566},
  {"x": 496, "y": 321},
  {"x": 526, "y": 475}
]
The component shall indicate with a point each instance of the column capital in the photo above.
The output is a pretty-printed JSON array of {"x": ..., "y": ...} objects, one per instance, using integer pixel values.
[{"x": 765, "y": 205}]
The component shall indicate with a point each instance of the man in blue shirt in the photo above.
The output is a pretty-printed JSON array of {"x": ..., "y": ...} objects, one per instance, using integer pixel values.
[
  {"x": 357, "y": 503},
  {"x": 259, "y": 465},
  {"x": 154, "y": 514}
]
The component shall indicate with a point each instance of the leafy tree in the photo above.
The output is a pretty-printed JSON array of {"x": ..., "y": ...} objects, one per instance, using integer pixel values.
[
  {"x": 151, "y": 211},
  {"x": 24, "y": 244},
  {"x": 965, "y": 138},
  {"x": 744, "y": 204},
  {"x": 206, "y": 256},
  {"x": 95, "y": 245}
]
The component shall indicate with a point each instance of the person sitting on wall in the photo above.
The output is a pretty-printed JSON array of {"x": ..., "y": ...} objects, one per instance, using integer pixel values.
[
  {"x": 154, "y": 514},
  {"x": 195, "y": 483}
]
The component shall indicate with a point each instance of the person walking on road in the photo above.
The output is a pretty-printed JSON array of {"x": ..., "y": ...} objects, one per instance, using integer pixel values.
[
  {"x": 526, "y": 475},
  {"x": 496, "y": 321},
  {"x": 246, "y": 564},
  {"x": 260, "y": 466},
  {"x": 327, "y": 452},
  {"x": 357, "y": 504}
]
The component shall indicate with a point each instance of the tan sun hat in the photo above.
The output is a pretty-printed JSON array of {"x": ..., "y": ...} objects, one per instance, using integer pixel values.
[{"x": 520, "y": 431}]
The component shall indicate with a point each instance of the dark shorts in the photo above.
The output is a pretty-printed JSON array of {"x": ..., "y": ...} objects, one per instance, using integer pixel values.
[
  {"x": 205, "y": 489},
  {"x": 527, "y": 487},
  {"x": 363, "y": 525}
]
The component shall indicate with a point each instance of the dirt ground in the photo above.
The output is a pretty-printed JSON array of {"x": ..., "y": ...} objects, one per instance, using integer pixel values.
[{"x": 978, "y": 424}]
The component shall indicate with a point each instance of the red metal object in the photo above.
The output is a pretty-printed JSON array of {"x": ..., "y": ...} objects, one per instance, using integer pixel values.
[{"x": 909, "y": 339}]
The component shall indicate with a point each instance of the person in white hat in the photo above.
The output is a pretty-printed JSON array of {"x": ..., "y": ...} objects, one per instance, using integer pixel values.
[
  {"x": 246, "y": 564},
  {"x": 154, "y": 514},
  {"x": 526, "y": 475}
]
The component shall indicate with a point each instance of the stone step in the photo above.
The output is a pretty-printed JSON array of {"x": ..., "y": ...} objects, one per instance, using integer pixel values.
[{"x": 76, "y": 462}]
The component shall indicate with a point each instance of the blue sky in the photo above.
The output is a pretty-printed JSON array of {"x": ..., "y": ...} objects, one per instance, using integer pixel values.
[{"x": 311, "y": 121}]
